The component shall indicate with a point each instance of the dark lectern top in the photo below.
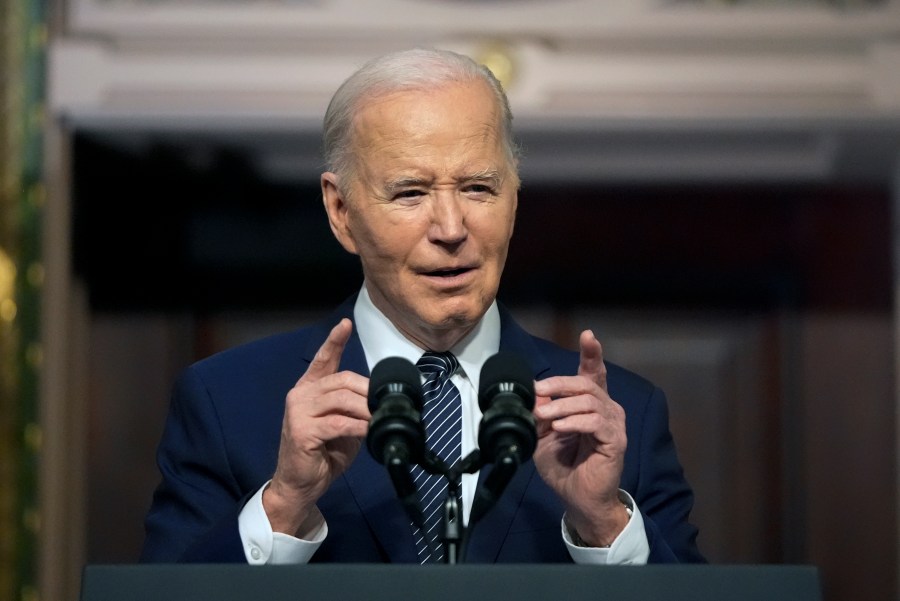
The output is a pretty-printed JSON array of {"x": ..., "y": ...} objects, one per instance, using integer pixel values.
[{"x": 375, "y": 582}]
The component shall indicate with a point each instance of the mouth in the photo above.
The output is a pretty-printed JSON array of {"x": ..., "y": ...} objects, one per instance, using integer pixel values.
[{"x": 448, "y": 273}]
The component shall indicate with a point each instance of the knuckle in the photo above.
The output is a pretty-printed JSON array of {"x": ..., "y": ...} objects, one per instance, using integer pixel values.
[
  {"x": 294, "y": 397},
  {"x": 618, "y": 412},
  {"x": 342, "y": 380}
]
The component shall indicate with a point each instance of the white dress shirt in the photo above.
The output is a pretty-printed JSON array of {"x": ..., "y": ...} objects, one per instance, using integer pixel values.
[{"x": 381, "y": 339}]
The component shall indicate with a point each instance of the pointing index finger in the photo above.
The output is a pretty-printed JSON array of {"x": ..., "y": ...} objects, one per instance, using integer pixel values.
[
  {"x": 328, "y": 357},
  {"x": 591, "y": 360}
]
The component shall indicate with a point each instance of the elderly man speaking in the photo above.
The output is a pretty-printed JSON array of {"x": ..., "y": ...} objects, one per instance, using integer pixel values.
[{"x": 263, "y": 456}]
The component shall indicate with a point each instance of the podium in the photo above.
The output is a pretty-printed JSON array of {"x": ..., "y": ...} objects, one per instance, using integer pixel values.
[{"x": 463, "y": 582}]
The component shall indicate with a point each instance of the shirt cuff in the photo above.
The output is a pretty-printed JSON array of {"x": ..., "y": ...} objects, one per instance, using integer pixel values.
[
  {"x": 629, "y": 548},
  {"x": 263, "y": 546}
]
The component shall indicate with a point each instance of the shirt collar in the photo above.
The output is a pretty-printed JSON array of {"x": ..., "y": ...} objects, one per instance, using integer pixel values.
[{"x": 381, "y": 339}]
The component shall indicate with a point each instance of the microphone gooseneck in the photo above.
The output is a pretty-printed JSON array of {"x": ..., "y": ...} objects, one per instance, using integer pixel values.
[
  {"x": 396, "y": 436},
  {"x": 507, "y": 435}
]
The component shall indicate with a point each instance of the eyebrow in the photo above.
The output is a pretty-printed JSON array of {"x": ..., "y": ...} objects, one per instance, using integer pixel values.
[
  {"x": 487, "y": 175},
  {"x": 391, "y": 187}
]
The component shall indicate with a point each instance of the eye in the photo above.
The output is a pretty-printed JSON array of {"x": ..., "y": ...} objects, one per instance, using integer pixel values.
[
  {"x": 408, "y": 195},
  {"x": 479, "y": 189}
]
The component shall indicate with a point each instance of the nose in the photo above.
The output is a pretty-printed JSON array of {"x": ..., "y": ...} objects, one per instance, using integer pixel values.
[{"x": 448, "y": 221}]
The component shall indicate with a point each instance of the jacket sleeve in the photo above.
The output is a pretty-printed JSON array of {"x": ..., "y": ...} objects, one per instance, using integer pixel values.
[{"x": 194, "y": 512}]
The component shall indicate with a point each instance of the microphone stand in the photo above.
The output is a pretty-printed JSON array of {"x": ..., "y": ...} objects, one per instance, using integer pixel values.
[
  {"x": 454, "y": 529},
  {"x": 455, "y": 534}
]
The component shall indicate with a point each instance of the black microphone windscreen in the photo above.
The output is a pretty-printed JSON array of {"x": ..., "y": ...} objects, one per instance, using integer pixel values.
[
  {"x": 507, "y": 369},
  {"x": 397, "y": 373}
]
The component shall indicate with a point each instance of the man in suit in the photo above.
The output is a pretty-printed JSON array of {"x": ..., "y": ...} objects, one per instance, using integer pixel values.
[{"x": 261, "y": 455}]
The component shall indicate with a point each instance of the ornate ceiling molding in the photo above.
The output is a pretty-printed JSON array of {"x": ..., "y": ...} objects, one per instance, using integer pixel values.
[{"x": 813, "y": 76}]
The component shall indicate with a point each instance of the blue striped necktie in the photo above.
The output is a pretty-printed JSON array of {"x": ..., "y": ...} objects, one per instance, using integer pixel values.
[{"x": 442, "y": 417}]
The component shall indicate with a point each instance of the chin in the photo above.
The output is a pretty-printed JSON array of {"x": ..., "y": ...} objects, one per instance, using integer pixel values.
[
  {"x": 450, "y": 311},
  {"x": 452, "y": 322},
  {"x": 458, "y": 317}
]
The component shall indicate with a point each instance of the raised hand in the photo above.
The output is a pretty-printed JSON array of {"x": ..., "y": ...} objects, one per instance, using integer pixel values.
[
  {"x": 581, "y": 445},
  {"x": 326, "y": 417}
]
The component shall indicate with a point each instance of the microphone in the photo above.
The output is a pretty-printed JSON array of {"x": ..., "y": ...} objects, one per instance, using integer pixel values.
[
  {"x": 506, "y": 398},
  {"x": 396, "y": 436},
  {"x": 507, "y": 435}
]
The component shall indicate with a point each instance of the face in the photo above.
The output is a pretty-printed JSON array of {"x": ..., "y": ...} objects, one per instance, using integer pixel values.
[{"x": 430, "y": 208}]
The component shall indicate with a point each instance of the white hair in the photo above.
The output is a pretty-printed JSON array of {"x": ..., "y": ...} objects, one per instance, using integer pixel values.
[{"x": 405, "y": 70}]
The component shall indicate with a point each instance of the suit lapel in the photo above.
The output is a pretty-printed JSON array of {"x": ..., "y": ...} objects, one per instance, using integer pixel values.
[
  {"x": 373, "y": 492},
  {"x": 488, "y": 536},
  {"x": 371, "y": 485},
  {"x": 368, "y": 480}
]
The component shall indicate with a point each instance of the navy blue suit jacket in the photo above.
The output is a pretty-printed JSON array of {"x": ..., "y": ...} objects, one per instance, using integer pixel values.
[{"x": 220, "y": 444}]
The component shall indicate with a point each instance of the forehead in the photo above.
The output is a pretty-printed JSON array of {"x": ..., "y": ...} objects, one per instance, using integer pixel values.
[{"x": 458, "y": 121}]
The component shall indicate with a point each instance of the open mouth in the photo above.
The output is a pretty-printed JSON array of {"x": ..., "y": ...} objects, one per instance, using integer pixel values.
[{"x": 448, "y": 273}]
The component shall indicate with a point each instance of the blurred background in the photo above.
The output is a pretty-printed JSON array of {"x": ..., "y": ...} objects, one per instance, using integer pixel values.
[{"x": 711, "y": 185}]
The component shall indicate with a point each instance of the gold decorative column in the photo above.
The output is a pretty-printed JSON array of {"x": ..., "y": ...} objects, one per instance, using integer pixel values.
[{"x": 22, "y": 52}]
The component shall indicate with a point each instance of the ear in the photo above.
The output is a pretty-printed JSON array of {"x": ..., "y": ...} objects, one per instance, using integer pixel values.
[{"x": 336, "y": 207}]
